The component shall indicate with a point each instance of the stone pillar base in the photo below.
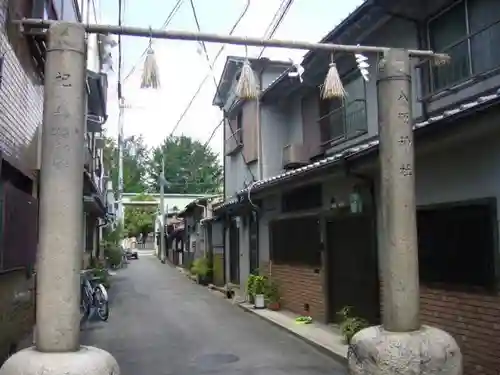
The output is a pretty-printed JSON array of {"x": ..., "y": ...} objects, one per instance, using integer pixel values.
[
  {"x": 87, "y": 361},
  {"x": 428, "y": 351}
]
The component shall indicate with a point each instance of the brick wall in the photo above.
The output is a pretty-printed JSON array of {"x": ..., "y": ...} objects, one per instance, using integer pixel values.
[
  {"x": 474, "y": 321},
  {"x": 298, "y": 285},
  {"x": 472, "y": 318},
  {"x": 21, "y": 95}
]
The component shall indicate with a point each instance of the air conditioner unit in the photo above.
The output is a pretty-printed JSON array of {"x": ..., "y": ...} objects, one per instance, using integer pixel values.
[{"x": 294, "y": 156}]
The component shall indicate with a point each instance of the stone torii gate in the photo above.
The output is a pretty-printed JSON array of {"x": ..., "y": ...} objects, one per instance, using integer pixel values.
[{"x": 400, "y": 346}]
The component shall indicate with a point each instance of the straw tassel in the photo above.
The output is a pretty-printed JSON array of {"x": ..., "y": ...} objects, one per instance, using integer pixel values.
[
  {"x": 150, "y": 74},
  {"x": 247, "y": 87},
  {"x": 332, "y": 87}
]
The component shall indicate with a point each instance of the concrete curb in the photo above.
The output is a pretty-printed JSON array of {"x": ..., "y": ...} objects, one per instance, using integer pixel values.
[{"x": 336, "y": 356}]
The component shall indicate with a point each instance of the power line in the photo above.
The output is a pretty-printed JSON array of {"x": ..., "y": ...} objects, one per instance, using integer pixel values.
[
  {"x": 170, "y": 16},
  {"x": 193, "y": 98},
  {"x": 269, "y": 33},
  {"x": 213, "y": 133},
  {"x": 215, "y": 82},
  {"x": 282, "y": 13},
  {"x": 120, "y": 6}
]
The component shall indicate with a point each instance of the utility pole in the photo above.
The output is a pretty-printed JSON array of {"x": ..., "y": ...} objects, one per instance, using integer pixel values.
[
  {"x": 57, "y": 330},
  {"x": 121, "y": 121},
  {"x": 401, "y": 344},
  {"x": 161, "y": 254}
]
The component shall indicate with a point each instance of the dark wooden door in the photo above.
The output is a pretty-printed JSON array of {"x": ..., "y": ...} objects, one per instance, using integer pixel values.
[
  {"x": 352, "y": 267},
  {"x": 253, "y": 237},
  {"x": 234, "y": 253}
]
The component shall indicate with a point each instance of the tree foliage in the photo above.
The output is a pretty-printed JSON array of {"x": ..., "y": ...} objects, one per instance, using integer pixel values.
[
  {"x": 135, "y": 161},
  {"x": 189, "y": 167},
  {"x": 140, "y": 219}
]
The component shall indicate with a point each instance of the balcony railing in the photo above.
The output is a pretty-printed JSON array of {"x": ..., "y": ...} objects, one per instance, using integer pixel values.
[
  {"x": 234, "y": 141},
  {"x": 474, "y": 55},
  {"x": 344, "y": 123}
]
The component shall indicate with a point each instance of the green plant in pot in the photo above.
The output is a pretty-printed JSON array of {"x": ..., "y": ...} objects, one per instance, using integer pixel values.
[
  {"x": 260, "y": 286},
  {"x": 251, "y": 288},
  {"x": 272, "y": 296},
  {"x": 350, "y": 325},
  {"x": 201, "y": 269}
]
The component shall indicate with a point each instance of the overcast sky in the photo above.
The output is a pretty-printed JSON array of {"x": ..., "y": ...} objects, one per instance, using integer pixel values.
[{"x": 154, "y": 113}]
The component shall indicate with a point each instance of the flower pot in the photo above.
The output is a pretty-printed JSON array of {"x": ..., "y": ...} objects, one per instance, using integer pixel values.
[
  {"x": 259, "y": 301},
  {"x": 250, "y": 298},
  {"x": 275, "y": 306}
]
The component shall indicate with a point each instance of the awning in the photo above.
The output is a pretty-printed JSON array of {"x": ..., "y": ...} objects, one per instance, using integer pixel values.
[{"x": 94, "y": 205}]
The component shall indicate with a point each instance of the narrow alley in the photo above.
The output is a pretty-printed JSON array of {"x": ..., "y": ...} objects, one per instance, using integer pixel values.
[{"x": 161, "y": 323}]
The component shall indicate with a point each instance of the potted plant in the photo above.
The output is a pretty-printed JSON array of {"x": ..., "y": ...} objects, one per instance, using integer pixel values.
[
  {"x": 251, "y": 288},
  {"x": 350, "y": 325},
  {"x": 259, "y": 288},
  {"x": 273, "y": 297},
  {"x": 201, "y": 269}
]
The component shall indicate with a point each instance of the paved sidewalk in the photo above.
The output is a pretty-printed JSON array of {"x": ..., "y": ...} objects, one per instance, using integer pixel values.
[{"x": 323, "y": 337}]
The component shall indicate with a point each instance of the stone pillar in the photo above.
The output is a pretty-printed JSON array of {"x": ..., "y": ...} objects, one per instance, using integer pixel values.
[
  {"x": 58, "y": 350},
  {"x": 401, "y": 345}
]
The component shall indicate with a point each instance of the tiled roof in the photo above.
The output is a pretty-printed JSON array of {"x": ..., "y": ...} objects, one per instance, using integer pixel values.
[
  {"x": 357, "y": 150},
  {"x": 366, "y": 10}
]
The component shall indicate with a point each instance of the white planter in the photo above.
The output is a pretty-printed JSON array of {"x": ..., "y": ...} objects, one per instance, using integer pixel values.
[{"x": 259, "y": 302}]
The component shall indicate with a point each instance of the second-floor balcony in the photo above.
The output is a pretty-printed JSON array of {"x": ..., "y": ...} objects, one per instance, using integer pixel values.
[
  {"x": 346, "y": 122},
  {"x": 67, "y": 10},
  {"x": 470, "y": 33}
]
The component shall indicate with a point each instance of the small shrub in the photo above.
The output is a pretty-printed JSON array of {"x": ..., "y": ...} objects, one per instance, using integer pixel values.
[
  {"x": 113, "y": 255},
  {"x": 251, "y": 285},
  {"x": 350, "y": 325},
  {"x": 272, "y": 292},
  {"x": 200, "y": 267},
  {"x": 260, "y": 285}
]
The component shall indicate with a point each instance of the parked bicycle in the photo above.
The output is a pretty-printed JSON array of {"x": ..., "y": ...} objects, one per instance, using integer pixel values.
[{"x": 94, "y": 297}]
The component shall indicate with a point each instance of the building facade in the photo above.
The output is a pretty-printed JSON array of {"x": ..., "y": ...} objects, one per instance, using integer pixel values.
[
  {"x": 312, "y": 220},
  {"x": 22, "y": 59}
]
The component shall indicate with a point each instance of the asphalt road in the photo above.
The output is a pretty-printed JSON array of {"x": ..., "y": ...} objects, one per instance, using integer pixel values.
[{"x": 161, "y": 323}]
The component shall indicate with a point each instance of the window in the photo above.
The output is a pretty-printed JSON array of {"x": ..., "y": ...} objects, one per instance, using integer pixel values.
[
  {"x": 303, "y": 198},
  {"x": 457, "y": 244},
  {"x": 237, "y": 126},
  {"x": 470, "y": 33},
  {"x": 296, "y": 241},
  {"x": 343, "y": 119}
]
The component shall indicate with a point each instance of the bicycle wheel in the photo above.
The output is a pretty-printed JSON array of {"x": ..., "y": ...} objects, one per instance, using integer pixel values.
[{"x": 101, "y": 302}]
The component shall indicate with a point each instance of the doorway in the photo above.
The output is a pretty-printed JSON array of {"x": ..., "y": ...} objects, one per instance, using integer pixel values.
[
  {"x": 234, "y": 253},
  {"x": 352, "y": 267},
  {"x": 253, "y": 237}
]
